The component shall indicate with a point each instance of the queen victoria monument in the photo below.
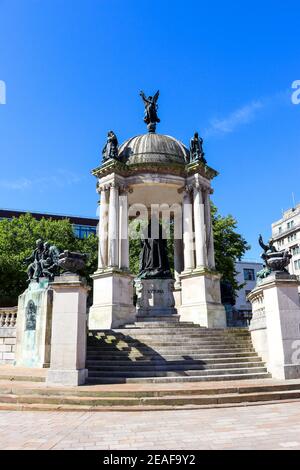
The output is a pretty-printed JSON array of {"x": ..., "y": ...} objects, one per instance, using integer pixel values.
[{"x": 155, "y": 180}]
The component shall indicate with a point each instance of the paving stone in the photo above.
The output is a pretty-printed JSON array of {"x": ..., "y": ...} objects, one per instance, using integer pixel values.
[{"x": 224, "y": 428}]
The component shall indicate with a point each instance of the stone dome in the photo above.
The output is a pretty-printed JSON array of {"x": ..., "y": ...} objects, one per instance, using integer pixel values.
[{"x": 153, "y": 148}]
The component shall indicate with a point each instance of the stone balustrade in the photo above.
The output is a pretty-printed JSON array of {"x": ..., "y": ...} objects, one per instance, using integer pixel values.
[{"x": 8, "y": 319}]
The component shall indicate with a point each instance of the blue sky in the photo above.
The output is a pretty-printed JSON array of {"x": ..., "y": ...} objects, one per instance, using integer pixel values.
[{"x": 73, "y": 70}]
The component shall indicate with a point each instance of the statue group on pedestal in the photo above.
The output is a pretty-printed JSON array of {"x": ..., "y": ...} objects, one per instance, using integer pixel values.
[
  {"x": 43, "y": 261},
  {"x": 274, "y": 260},
  {"x": 46, "y": 261}
]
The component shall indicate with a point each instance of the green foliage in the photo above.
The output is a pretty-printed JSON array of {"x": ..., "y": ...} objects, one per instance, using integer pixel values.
[
  {"x": 18, "y": 236},
  {"x": 229, "y": 246},
  {"x": 17, "y": 240}
]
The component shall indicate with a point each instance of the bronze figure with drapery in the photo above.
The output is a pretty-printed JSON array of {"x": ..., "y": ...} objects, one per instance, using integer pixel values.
[{"x": 154, "y": 262}]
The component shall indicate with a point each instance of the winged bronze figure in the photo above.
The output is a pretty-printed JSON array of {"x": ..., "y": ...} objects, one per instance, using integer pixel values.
[{"x": 151, "y": 107}]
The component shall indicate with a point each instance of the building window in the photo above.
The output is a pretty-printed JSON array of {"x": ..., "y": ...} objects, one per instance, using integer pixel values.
[
  {"x": 279, "y": 230},
  {"x": 83, "y": 231},
  {"x": 247, "y": 292},
  {"x": 290, "y": 224},
  {"x": 297, "y": 264},
  {"x": 292, "y": 237},
  {"x": 249, "y": 274},
  {"x": 295, "y": 250}
]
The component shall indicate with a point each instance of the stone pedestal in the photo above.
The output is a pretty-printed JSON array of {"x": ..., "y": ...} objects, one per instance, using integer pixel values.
[
  {"x": 33, "y": 334},
  {"x": 155, "y": 297},
  {"x": 68, "y": 342},
  {"x": 201, "y": 299},
  {"x": 112, "y": 300},
  {"x": 275, "y": 326}
]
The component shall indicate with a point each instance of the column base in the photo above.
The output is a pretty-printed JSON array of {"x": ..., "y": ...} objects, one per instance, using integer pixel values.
[
  {"x": 113, "y": 300},
  {"x": 177, "y": 296},
  {"x": 201, "y": 299},
  {"x": 70, "y": 377}
]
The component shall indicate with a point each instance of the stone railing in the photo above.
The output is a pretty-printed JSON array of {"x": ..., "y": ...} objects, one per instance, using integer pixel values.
[{"x": 8, "y": 317}]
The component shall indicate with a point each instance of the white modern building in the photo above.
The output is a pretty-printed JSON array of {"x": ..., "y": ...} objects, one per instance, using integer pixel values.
[
  {"x": 246, "y": 274},
  {"x": 286, "y": 234}
]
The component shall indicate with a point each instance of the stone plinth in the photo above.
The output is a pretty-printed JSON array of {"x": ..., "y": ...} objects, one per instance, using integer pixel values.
[
  {"x": 155, "y": 297},
  {"x": 201, "y": 299},
  {"x": 68, "y": 342},
  {"x": 33, "y": 333},
  {"x": 112, "y": 300},
  {"x": 275, "y": 326}
]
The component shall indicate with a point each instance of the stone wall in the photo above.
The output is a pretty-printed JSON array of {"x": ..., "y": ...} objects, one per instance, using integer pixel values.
[{"x": 8, "y": 317}]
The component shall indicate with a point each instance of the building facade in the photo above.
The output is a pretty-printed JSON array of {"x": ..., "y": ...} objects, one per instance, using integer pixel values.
[
  {"x": 82, "y": 226},
  {"x": 246, "y": 274},
  {"x": 286, "y": 234}
]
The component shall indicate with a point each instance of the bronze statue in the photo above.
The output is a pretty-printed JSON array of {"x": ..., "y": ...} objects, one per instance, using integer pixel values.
[
  {"x": 154, "y": 262},
  {"x": 49, "y": 262},
  {"x": 196, "y": 149},
  {"x": 110, "y": 150},
  {"x": 72, "y": 262},
  {"x": 30, "y": 316},
  {"x": 34, "y": 270},
  {"x": 46, "y": 261},
  {"x": 274, "y": 260},
  {"x": 151, "y": 108}
]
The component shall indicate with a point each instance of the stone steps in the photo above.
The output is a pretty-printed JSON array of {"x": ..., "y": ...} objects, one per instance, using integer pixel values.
[
  {"x": 177, "y": 378},
  {"x": 174, "y": 330},
  {"x": 161, "y": 362},
  {"x": 167, "y": 341},
  {"x": 125, "y": 358},
  {"x": 171, "y": 367},
  {"x": 178, "y": 401},
  {"x": 163, "y": 352},
  {"x": 167, "y": 331},
  {"x": 134, "y": 372},
  {"x": 38, "y": 396},
  {"x": 174, "y": 349}
]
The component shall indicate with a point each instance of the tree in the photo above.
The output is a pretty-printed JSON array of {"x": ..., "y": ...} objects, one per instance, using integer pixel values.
[
  {"x": 230, "y": 246},
  {"x": 17, "y": 240},
  {"x": 18, "y": 236}
]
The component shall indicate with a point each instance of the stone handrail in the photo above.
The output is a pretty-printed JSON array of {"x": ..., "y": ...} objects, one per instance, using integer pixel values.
[{"x": 8, "y": 317}]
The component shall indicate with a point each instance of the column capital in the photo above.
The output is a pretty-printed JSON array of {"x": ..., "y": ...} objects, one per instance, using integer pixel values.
[
  {"x": 125, "y": 189},
  {"x": 107, "y": 186},
  {"x": 208, "y": 190}
]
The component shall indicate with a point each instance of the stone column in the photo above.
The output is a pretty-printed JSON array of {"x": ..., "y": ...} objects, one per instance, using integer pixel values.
[
  {"x": 209, "y": 231},
  {"x": 113, "y": 227},
  {"x": 68, "y": 339},
  {"x": 178, "y": 261},
  {"x": 103, "y": 228},
  {"x": 199, "y": 222},
  {"x": 189, "y": 261},
  {"x": 123, "y": 231}
]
